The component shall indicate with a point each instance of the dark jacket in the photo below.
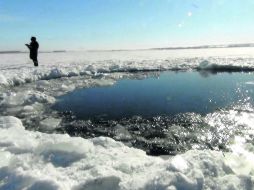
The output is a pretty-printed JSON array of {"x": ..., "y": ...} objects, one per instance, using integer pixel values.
[{"x": 34, "y": 46}]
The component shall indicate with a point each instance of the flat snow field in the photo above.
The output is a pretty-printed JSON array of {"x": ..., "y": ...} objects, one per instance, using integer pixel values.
[{"x": 34, "y": 157}]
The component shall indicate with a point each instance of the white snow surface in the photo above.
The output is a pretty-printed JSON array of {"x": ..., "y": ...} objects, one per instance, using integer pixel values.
[
  {"x": 34, "y": 160},
  {"x": 18, "y": 69}
]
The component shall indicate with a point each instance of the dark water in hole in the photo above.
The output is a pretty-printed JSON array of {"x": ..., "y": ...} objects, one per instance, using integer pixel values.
[
  {"x": 171, "y": 110},
  {"x": 169, "y": 94}
]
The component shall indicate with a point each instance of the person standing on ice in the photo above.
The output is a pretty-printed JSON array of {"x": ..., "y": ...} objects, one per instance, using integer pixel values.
[{"x": 33, "y": 47}]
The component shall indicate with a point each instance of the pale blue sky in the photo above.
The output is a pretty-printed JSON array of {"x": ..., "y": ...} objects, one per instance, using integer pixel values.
[{"x": 120, "y": 24}]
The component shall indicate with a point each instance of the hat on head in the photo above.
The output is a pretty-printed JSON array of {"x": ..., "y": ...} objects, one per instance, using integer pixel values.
[{"x": 33, "y": 38}]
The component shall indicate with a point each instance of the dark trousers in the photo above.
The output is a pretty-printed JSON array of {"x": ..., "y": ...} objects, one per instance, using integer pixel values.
[
  {"x": 35, "y": 61},
  {"x": 33, "y": 56}
]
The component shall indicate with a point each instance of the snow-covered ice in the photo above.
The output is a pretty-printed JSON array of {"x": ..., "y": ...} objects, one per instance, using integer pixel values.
[
  {"x": 17, "y": 69},
  {"x": 32, "y": 159}
]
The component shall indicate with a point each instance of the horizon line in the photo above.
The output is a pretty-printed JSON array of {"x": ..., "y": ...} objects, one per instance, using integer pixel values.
[{"x": 231, "y": 45}]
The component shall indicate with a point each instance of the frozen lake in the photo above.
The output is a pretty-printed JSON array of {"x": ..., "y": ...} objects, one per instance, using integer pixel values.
[{"x": 201, "y": 117}]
